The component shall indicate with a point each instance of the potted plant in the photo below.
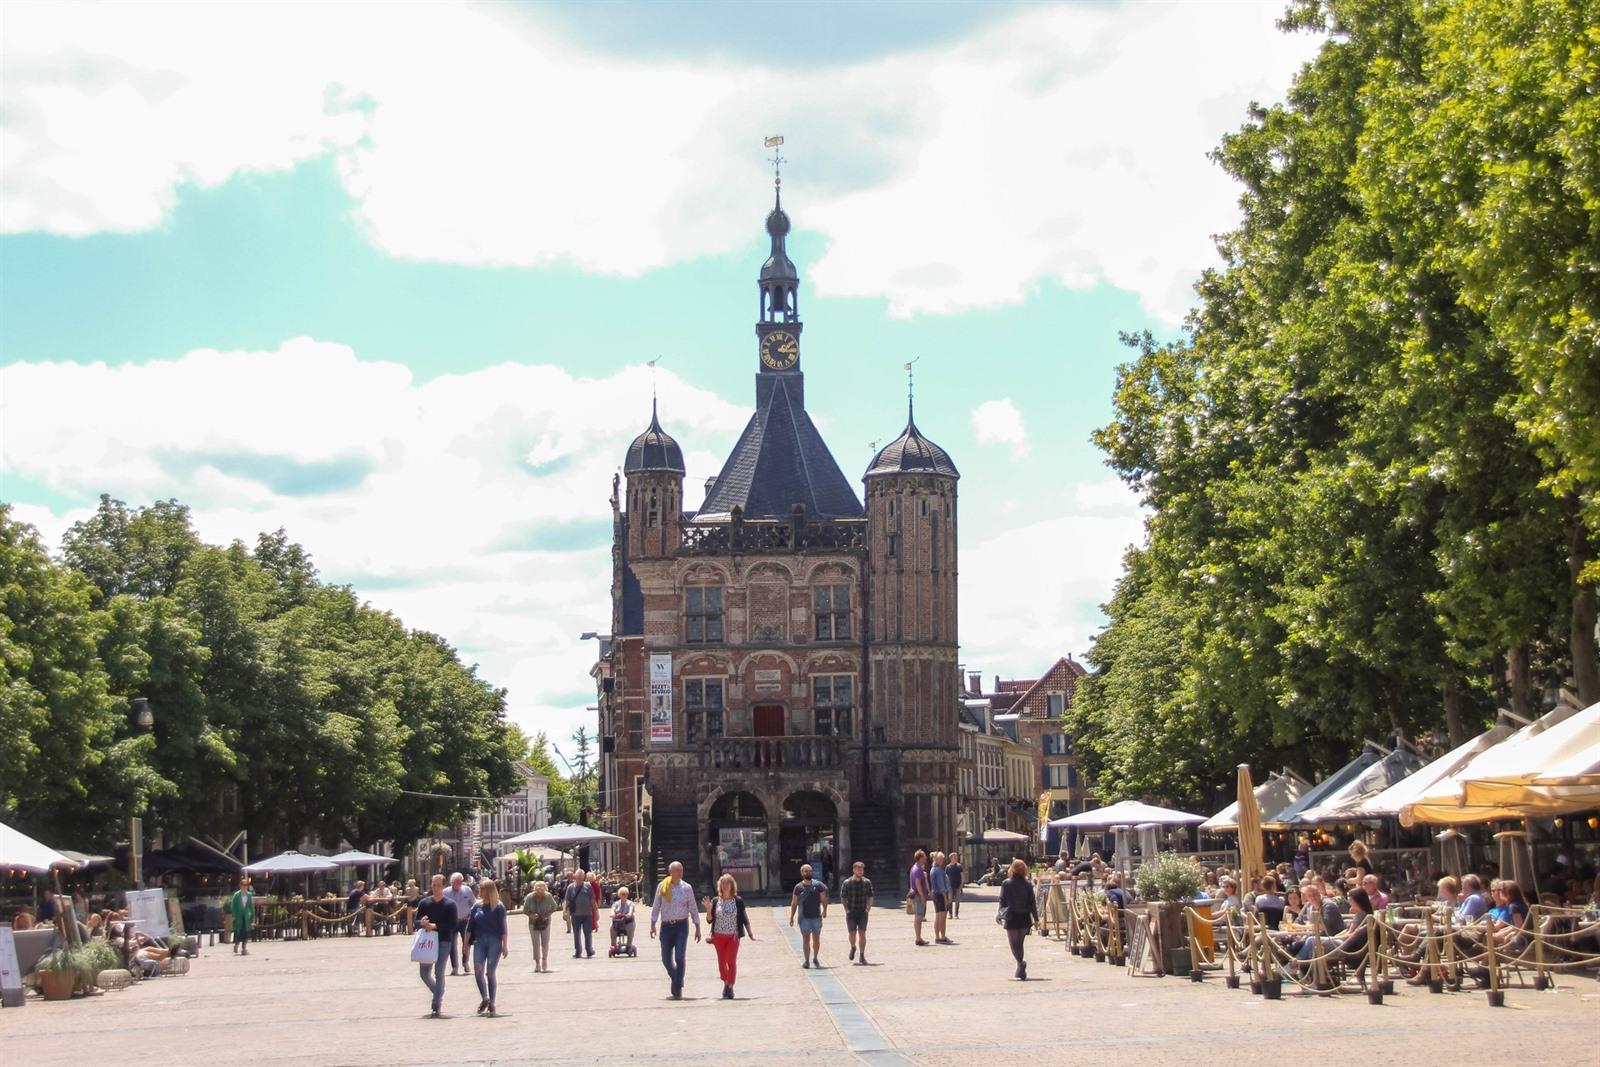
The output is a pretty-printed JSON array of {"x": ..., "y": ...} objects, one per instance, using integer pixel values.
[
  {"x": 99, "y": 957},
  {"x": 60, "y": 972},
  {"x": 1169, "y": 882}
]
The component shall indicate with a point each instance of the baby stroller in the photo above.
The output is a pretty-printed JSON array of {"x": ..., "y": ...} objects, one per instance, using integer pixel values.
[{"x": 622, "y": 927}]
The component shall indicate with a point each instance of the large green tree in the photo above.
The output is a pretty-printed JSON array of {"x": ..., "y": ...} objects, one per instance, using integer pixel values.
[{"x": 1364, "y": 518}]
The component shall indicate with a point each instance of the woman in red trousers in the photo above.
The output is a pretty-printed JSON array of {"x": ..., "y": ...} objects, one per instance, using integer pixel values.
[{"x": 728, "y": 921}]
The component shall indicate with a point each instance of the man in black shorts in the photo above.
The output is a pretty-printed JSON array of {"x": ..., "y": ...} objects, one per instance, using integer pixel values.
[{"x": 856, "y": 894}]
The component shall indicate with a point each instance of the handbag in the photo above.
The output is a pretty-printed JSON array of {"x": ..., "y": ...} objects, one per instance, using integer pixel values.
[
  {"x": 910, "y": 907},
  {"x": 425, "y": 947}
]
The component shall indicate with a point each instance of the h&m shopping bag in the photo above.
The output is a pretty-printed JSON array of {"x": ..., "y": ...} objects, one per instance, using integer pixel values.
[{"x": 425, "y": 947}]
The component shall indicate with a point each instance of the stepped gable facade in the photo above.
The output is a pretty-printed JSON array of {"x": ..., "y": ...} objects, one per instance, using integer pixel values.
[{"x": 780, "y": 685}]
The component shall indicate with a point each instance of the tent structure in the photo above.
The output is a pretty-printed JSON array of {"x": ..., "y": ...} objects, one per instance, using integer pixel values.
[
  {"x": 84, "y": 861},
  {"x": 560, "y": 835},
  {"x": 292, "y": 862},
  {"x": 20, "y": 851},
  {"x": 1407, "y": 790},
  {"x": 1273, "y": 795},
  {"x": 1317, "y": 794},
  {"x": 1127, "y": 813},
  {"x": 1528, "y": 775},
  {"x": 1338, "y": 805}
]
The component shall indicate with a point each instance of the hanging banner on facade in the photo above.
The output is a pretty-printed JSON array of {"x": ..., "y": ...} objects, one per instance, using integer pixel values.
[{"x": 661, "y": 699}]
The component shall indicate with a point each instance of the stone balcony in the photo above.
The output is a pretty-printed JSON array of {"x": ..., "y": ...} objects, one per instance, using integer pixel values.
[{"x": 772, "y": 753}]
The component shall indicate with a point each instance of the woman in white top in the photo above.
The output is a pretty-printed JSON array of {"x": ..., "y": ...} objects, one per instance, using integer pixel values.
[{"x": 728, "y": 921}]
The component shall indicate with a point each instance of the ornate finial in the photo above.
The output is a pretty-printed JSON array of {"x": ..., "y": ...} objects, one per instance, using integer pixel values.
[
  {"x": 910, "y": 391},
  {"x": 777, "y": 160}
]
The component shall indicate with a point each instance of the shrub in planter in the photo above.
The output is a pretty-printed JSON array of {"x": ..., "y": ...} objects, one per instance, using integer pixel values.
[
  {"x": 1170, "y": 877},
  {"x": 98, "y": 956},
  {"x": 61, "y": 972}
]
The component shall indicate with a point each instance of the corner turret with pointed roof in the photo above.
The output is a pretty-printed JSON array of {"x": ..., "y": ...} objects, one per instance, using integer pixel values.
[
  {"x": 911, "y": 453},
  {"x": 654, "y": 450}
]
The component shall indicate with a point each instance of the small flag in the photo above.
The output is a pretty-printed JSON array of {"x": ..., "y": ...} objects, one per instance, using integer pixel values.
[
  {"x": 908, "y": 365},
  {"x": 653, "y": 362},
  {"x": 772, "y": 142}
]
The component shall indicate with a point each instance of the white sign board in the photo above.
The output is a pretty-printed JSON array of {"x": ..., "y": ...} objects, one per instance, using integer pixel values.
[
  {"x": 10, "y": 971},
  {"x": 149, "y": 908},
  {"x": 661, "y": 698}
]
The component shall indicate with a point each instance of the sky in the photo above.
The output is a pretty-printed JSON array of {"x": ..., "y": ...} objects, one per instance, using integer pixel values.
[{"x": 390, "y": 276}]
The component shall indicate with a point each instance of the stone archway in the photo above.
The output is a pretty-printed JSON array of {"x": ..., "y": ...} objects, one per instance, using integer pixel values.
[
  {"x": 735, "y": 825},
  {"x": 808, "y": 825}
]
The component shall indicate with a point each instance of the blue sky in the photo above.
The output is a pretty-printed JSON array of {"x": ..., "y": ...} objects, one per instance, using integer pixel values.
[{"x": 389, "y": 277}]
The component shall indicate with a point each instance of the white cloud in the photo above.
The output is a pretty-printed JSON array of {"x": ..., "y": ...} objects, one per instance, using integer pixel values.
[
  {"x": 1064, "y": 143},
  {"x": 998, "y": 422},
  {"x": 1033, "y": 593},
  {"x": 472, "y": 505}
]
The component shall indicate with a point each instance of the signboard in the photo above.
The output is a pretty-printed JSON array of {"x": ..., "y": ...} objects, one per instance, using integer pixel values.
[
  {"x": 769, "y": 687},
  {"x": 769, "y": 676},
  {"x": 149, "y": 908},
  {"x": 660, "y": 698},
  {"x": 10, "y": 973}
]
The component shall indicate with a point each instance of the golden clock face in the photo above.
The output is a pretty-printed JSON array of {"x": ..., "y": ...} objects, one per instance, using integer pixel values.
[{"x": 780, "y": 349}]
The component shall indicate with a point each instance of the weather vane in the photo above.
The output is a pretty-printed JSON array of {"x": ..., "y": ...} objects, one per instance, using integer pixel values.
[
  {"x": 910, "y": 384},
  {"x": 777, "y": 160}
]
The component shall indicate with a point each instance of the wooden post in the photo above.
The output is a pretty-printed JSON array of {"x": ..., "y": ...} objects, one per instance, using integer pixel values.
[
  {"x": 1430, "y": 956},
  {"x": 1190, "y": 918},
  {"x": 1497, "y": 996},
  {"x": 1449, "y": 979},
  {"x": 1319, "y": 965},
  {"x": 1374, "y": 961},
  {"x": 368, "y": 920},
  {"x": 1542, "y": 979}
]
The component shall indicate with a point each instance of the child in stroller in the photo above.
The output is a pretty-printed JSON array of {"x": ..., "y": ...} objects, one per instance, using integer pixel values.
[{"x": 623, "y": 923}]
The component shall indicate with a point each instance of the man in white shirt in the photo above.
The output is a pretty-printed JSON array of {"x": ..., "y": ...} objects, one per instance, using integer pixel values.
[
  {"x": 463, "y": 898},
  {"x": 673, "y": 910}
]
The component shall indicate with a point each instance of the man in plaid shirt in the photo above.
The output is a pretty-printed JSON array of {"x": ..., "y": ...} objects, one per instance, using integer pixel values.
[{"x": 856, "y": 893}]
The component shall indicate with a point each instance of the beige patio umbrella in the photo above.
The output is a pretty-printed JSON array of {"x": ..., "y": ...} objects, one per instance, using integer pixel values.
[{"x": 1251, "y": 866}]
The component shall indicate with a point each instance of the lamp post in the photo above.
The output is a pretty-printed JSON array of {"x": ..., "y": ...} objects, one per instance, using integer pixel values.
[{"x": 144, "y": 719}]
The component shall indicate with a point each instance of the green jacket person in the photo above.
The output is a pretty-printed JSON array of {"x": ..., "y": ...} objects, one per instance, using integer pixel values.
[{"x": 242, "y": 905}]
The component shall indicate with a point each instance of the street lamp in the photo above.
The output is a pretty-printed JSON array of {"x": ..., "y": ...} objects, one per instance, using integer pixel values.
[{"x": 145, "y": 719}]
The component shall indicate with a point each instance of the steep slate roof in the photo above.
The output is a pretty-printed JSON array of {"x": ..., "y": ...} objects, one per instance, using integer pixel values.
[
  {"x": 780, "y": 461},
  {"x": 1060, "y": 678}
]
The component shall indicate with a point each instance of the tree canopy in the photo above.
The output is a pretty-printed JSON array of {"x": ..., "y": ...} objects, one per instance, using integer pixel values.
[
  {"x": 281, "y": 703},
  {"x": 1372, "y": 462}
]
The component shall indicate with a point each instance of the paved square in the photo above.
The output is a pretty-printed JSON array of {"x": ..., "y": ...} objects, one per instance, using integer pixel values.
[{"x": 358, "y": 1001}]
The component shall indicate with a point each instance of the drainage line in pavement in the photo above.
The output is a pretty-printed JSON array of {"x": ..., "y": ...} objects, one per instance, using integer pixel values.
[{"x": 860, "y": 1033}]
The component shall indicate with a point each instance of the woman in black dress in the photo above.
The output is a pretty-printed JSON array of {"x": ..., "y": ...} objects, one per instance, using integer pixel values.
[{"x": 1019, "y": 912}]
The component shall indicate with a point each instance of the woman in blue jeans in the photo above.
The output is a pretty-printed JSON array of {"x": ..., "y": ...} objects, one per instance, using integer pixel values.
[{"x": 486, "y": 934}]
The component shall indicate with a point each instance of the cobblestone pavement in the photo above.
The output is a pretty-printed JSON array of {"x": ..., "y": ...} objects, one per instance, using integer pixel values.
[{"x": 358, "y": 1001}]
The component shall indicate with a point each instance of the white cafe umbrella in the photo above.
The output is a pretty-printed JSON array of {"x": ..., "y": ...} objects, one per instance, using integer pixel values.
[
  {"x": 356, "y": 858},
  {"x": 997, "y": 836},
  {"x": 560, "y": 835},
  {"x": 1131, "y": 812},
  {"x": 17, "y": 849},
  {"x": 292, "y": 862}
]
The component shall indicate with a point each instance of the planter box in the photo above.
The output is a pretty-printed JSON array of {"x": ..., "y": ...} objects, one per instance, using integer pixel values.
[{"x": 58, "y": 985}]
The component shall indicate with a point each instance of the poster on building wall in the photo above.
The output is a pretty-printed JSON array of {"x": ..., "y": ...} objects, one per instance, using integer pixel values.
[{"x": 660, "y": 699}]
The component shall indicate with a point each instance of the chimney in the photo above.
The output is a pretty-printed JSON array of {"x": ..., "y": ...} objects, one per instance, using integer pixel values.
[{"x": 975, "y": 683}]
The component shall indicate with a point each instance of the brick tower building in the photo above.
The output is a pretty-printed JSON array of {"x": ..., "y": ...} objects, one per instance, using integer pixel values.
[{"x": 781, "y": 685}]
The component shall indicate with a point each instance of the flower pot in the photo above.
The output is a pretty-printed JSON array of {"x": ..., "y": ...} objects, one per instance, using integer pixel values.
[{"x": 58, "y": 985}]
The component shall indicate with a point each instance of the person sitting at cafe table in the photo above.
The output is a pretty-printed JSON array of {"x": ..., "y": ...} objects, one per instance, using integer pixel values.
[
  {"x": 1345, "y": 946},
  {"x": 1318, "y": 908},
  {"x": 1268, "y": 903},
  {"x": 1379, "y": 898}
]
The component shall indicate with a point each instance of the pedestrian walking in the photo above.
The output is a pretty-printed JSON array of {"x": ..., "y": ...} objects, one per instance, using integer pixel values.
[
  {"x": 856, "y": 894},
  {"x": 1019, "y": 912},
  {"x": 578, "y": 909},
  {"x": 917, "y": 893},
  {"x": 463, "y": 898},
  {"x": 486, "y": 936},
  {"x": 810, "y": 898},
  {"x": 939, "y": 883},
  {"x": 538, "y": 906},
  {"x": 242, "y": 906},
  {"x": 437, "y": 913},
  {"x": 728, "y": 921},
  {"x": 673, "y": 909},
  {"x": 957, "y": 875}
]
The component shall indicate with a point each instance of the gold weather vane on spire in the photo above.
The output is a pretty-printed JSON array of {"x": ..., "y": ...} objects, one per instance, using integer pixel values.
[{"x": 777, "y": 160}]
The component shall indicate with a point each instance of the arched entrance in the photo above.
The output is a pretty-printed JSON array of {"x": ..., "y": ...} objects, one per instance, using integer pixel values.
[
  {"x": 808, "y": 829},
  {"x": 738, "y": 829}
]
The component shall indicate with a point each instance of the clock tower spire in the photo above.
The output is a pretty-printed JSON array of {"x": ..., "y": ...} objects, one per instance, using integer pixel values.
[{"x": 778, "y": 328}]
